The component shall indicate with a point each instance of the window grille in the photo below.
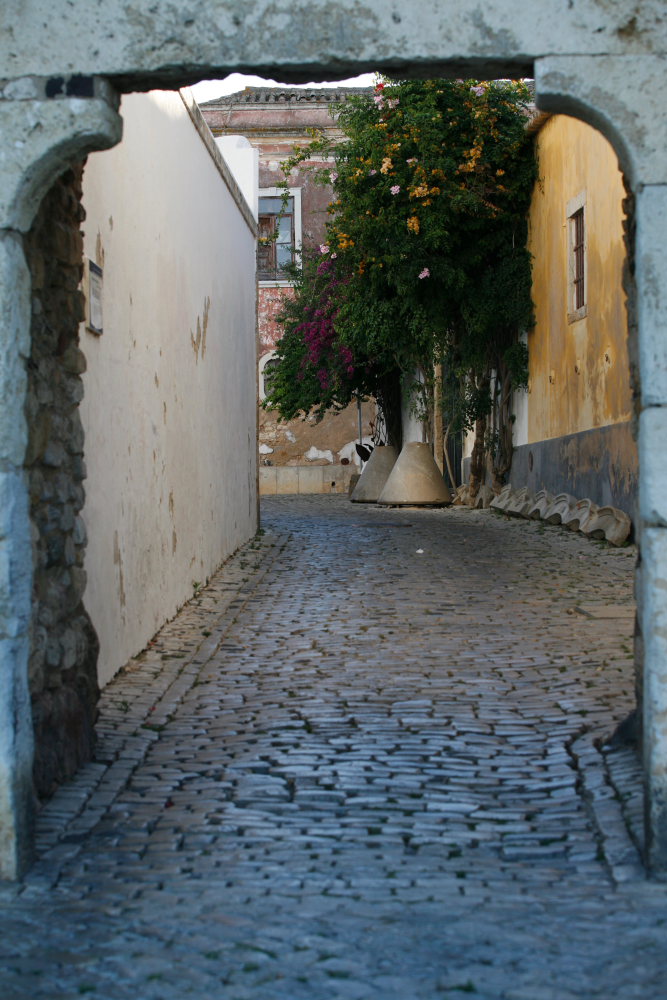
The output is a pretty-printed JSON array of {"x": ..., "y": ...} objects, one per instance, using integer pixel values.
[
  {"x": 578, "y": 247},
  {"x": 276, "y": 244},
  {"x": 577, "y": 263}
]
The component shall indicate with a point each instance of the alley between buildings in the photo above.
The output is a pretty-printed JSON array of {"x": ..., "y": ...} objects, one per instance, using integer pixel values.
[{"x": 360, "y": 764}]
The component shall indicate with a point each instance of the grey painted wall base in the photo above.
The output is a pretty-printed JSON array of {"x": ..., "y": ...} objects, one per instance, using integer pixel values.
[{"x": 600, "y": 464}]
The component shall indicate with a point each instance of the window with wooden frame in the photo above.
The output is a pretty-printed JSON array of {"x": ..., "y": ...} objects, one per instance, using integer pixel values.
[
  {"x": 577, "y": 259},
  {"x": 267, "y": 368},
  {"x": 279, "y": 234}
]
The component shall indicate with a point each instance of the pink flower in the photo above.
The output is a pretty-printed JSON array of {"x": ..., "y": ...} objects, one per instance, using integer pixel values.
[
  {"x": 372, "y": 173},
  {"x": 425, "y": 273},
  {"x": 333, "y": 256},
  {"x": 395, "y": 189},
  {"x": 324, "y": 248},
  {"x": 334, "y": 177},
  {"x": 478, "y": 91}
]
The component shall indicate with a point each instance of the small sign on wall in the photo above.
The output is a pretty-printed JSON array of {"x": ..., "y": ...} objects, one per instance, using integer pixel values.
[{"x": 93, "y": 292}]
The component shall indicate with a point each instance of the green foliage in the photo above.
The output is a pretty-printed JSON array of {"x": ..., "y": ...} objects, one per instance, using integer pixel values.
[
  {"x": 315, "y": 371},
  {"x": 426, "y": 259}
]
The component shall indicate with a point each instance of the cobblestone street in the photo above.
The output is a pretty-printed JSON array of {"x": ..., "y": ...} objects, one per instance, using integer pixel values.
[{"x": 360, "y": 764}]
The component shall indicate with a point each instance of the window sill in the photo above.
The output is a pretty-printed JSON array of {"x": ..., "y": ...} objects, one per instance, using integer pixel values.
[
  {"x": 574, "y": 317},
  {"x": 274, "y": 283}
]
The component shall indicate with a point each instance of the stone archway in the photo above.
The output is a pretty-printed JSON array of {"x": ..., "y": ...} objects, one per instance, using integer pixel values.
[
  {"x": 603, "y": 63},
  {"x": 584, "y": 87},
  {"x": 42, "y": 150}
]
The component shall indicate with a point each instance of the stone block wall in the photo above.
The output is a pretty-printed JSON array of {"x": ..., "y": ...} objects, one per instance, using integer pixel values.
[
  {"x": 295, "y": 479},
  {"x": 63, "y": 660}
]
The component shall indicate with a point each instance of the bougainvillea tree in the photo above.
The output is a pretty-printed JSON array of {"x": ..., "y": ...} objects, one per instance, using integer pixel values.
[{"x": 425, "y": 262}]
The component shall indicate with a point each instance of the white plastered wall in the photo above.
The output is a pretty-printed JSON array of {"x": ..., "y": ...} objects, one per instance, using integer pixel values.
[
  {"x": 243, "y": 161},
  {"x": 170, "y": 393},
  {"x": 413, "y": 429}
]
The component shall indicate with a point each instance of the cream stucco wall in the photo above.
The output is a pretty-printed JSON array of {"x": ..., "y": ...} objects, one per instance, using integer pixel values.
[
  {"x": 170, "y": 392},
  {"x": 579, "y": 371}
]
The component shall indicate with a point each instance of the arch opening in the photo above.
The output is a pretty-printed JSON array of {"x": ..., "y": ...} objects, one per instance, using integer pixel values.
[{"x": 42, "y": 172}]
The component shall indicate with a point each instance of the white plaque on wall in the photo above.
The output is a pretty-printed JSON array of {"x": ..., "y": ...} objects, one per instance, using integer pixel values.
[{"x": 93, "y": 292}]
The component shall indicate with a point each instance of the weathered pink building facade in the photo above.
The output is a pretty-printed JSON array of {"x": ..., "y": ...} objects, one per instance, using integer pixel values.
[{"x": 298, "y": 456}]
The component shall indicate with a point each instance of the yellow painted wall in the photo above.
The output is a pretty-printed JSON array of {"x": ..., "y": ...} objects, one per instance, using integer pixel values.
[{"x": 579, "y": 372}]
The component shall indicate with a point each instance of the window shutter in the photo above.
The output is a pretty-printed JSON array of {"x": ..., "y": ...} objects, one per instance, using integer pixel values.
[{"x": 266, "y": 252}]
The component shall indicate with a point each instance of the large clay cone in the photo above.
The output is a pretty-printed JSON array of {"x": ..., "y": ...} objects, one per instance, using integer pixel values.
[
  {"x": 375, "y": 474},
  {"x": 415, "y": 480}
]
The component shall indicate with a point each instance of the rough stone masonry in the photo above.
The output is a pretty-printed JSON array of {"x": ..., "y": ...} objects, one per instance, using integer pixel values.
[{"x": 63, "y": 654}]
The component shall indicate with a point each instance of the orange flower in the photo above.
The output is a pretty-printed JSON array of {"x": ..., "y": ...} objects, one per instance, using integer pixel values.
[{"x": 413, "y": 224}]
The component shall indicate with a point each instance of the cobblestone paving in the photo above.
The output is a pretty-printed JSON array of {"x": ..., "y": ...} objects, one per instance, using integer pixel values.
[{"x": 360, "y": 764}]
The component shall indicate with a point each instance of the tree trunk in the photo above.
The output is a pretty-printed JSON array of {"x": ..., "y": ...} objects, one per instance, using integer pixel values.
[
  {"x": 478, "y": 458},
  {"x": 502, "y": 459},
  {"x": 445, "y": 450},
  {"x": 389, "y": 399},
  {"x": 438, "y": 439}
]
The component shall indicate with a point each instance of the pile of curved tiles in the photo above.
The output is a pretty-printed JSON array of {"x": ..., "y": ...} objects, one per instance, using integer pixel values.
[
  {"x": 578, "y": 515},
  {"x": 483, "y": 499}
]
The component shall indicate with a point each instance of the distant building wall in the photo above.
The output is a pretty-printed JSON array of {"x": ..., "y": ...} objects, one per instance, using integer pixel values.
[
  {"x": 170, "y": 393},
  {"x": 579, "y": 402},
  {"x": 275, "y": 120},
  {"x": 578, "y": 367},
  {"x": 573, "y": 431}
]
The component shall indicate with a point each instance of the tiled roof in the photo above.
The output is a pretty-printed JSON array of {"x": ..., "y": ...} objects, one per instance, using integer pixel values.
[{"x": 286, "y": 95}]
